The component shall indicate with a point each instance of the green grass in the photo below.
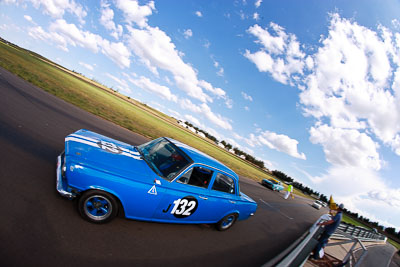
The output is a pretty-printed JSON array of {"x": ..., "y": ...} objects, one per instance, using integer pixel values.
[
  {"x": 348, "y": 219},
  {"x": 110, "y": 105},
  {"x": 394, "y": 243}
]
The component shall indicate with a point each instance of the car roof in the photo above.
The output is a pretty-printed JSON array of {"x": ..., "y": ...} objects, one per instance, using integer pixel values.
[{"x": 202, "y": 158}]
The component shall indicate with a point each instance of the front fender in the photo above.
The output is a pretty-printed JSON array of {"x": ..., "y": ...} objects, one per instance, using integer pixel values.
[{"x": 108, "y": 190}]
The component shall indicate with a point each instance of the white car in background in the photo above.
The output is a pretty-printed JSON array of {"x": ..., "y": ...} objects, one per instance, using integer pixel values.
[{"x": 317, "y": 204}]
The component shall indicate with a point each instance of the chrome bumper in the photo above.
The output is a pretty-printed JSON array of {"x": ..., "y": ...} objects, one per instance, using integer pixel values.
[{"x": 60, "y": 186}]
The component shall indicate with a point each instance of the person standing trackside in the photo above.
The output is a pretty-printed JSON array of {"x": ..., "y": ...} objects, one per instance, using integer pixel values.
[
  {"x": 330, "y": 228},
  {"x": 289, "y": 191}
]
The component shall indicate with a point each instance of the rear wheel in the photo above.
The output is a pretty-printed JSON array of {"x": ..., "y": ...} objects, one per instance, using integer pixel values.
[
  {"x": 97, "y": 206},
  {"x": 227, "y": 222}
]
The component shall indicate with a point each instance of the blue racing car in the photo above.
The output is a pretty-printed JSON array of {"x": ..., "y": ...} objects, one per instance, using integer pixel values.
[
  {"x": 162, "y": 181},
  {"x": 272, "y": 184}
]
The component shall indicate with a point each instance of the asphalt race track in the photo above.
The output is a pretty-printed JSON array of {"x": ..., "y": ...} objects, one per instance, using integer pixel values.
[{"x": 38, "y": 227}]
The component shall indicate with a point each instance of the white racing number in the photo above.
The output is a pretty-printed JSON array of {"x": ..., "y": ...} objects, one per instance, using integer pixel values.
[
  {"x": 110, "y": 147},
  {"x": 184, "y": 207}
]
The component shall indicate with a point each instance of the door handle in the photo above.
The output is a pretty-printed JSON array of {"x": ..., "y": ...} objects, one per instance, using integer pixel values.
[
  {"x": 205, "y": 198},
  {"x": 233, "y": 202}
]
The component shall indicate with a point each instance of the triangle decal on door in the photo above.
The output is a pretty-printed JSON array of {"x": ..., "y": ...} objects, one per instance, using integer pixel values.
[{"x": 153, "y": 190}]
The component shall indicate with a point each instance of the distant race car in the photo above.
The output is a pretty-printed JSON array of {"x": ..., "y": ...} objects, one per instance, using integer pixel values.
[
  {"x": 161, "y": 181},
  {"x": 272, "y": 184},
  {"x": 317, "y": 204}
]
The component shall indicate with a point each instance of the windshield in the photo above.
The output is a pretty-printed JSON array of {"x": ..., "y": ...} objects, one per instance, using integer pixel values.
[
  {"x": 273, "y": 181},
  {"x": 164, "y": 158}
]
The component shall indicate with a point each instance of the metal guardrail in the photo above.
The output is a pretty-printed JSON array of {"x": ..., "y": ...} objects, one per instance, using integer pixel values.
[
  {"x": 350, "y": 259},
  {"x": 298, "y": 254},
  {"x": 358, "y": 232}
]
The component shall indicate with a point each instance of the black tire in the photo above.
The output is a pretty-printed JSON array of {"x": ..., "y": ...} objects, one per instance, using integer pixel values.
[
  {"x": 227, "y": 222},
  {"x": 97, "y": 206}
]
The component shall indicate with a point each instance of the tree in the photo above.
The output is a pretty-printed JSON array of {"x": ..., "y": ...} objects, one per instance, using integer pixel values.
[
  {"x": 390, "y": 231},
  {"x": 282, "y": 176},
  {"x": 323, "y": 198}
]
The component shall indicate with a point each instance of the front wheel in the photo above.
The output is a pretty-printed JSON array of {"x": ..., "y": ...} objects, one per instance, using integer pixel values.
[
  {"x": 227, "y": 222},
  {"x": 98, "y": 206}
]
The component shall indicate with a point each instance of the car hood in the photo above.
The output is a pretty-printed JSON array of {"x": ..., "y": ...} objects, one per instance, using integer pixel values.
[{"x": 100, "y": 152}]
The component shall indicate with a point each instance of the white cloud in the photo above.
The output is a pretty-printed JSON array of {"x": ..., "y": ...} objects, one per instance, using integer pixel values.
[
  {"x": 39, "y": 33},
  {"x": 186, "y": 104},
  {"x": 396, "y": 24},
  {"x": 218, "y": 92},
  {"x": 156, "y": 50},
  {"x": 346, "y": 147},
  {"x": 215, "y": 91},
  {"x": 88, "y": 66},
  {"x": 64, "y": 34},
  {"x": 160, "y": 90},
  {"x": 355, "y": 81},
  {"x": 354, "y": 84},
  {"x": 188, "y": 33},
  {"x": 28, "y": 18},
  {"x": 256, "y": 16},
  {"x": 135, "y": 13},
  {"x": 117, "y": 52},
  {"x": 238, "y": 137},
  {"x": 57, "y": 8},
  {"x": 280, "y": 54},
  {"x": 258, "y": 3},
  {"x": 247, "y": 97},
  {"x": 204, "y": 110},
  {"x": 279, "y": 142},
  {"x": 352, "y": 88},
  {"x": 106, "y": 19},
  {"x": 207, "y": 44},
  {"x": 199, "y": 14},
  {"x": 220, "y": 71},
  {"x": 215, "y": 118},
  {"x": 228, "y": 102},
  {"x": 242, "y": 15}
]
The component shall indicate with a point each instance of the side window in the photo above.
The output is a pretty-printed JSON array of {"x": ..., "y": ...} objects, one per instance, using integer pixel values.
[
  {"x": 224, "y": 183},
  {"x": 197, "y": 176}
]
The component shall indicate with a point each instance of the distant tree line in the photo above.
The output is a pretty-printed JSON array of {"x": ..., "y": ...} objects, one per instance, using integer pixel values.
[
  {"x": 228, "y": 146},
  {"x": 249, "y": 158},
  {"x": 209, "y": 136}
]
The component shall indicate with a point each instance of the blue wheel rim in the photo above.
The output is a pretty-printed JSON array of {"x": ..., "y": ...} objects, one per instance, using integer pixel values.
[
  {"x": 97, "y": 207},
  {"x": 228, "y": 221}
]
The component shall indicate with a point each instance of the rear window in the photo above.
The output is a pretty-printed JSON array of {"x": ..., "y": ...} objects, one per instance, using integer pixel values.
[
  {"x": 224, "y": 183},
  {"x": 197, "y": 176}
]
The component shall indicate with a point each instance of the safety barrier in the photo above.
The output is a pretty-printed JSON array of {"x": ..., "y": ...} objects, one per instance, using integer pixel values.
[
  {"x": 359, "y": 233},
  {"x": 298, "y": 253}
]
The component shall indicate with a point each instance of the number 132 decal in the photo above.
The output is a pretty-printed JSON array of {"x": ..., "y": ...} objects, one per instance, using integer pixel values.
[{"x": 184, "y": 207}]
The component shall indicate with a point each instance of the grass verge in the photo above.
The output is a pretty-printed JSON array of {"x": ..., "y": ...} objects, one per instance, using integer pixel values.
[{"x": 349, "y": 220}]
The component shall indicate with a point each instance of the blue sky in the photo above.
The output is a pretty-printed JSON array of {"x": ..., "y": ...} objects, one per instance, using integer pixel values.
[{"x": 312, "y": 88}]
